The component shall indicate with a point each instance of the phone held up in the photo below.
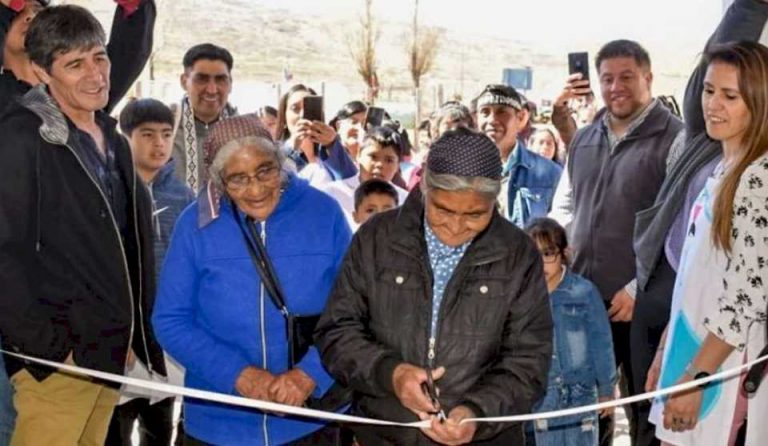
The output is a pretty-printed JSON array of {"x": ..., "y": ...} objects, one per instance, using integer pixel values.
[
  {"x": 313, "y": 108},
  {"x": 374, "y": 117},
  {"x": 579, "y": 63}
]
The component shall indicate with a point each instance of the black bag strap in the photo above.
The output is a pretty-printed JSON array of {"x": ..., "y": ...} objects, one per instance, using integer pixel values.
[
  {"x": 261, "y": 261},
  {"x": 756, "y": 374}
]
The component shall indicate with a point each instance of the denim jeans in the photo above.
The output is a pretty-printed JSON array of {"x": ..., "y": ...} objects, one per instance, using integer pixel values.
[
  {"x": 7, "y": 412},
  {"x": 574, "y": 430}
]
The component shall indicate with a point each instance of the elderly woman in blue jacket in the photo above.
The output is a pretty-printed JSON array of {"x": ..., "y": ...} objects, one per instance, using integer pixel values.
[{"x": 212, "y": 312}]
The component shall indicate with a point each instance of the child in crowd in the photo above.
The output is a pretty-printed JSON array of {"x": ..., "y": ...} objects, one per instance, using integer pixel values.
[
  {"x": 148, "y": 125},
  {"x": 583, "y": 369},
  {"x": 379, "y": 157},
  {"x": 372, "y": 197},
  {"x": 546, "y": 142},
  {"x": 268, "y": 116}
]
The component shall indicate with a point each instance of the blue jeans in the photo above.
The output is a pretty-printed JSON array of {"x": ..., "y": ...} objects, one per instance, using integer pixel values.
[
  {"x": 574, "y": 430},
  {"x": 7, "y": 412}
]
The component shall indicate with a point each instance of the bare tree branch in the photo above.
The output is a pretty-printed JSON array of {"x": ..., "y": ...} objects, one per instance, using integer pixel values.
[
  {"x": 361, "y": 45},
  {"x": 422, "y": 51}
]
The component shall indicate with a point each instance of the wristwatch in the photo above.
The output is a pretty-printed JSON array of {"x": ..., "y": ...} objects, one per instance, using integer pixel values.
[{"x": 696, "y": 373}]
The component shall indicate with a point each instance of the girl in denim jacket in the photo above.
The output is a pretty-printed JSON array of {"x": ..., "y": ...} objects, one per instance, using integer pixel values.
[{"x": 583, "y": 369}]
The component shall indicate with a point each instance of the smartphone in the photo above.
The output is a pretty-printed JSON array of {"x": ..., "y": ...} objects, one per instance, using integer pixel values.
[
  {"x": 313, "y": 108},
  {"x": 579, "y": 63},
  {"x": 374, "y": 117}
]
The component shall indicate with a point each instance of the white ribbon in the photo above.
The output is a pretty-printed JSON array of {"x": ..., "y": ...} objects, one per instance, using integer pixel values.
[{"x": 331, "y": 416}]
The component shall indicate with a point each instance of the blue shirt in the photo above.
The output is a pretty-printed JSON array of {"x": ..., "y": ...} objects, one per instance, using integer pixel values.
[
  {"x": 443, "y": 259},
  {"x": 528, "y": 185}
]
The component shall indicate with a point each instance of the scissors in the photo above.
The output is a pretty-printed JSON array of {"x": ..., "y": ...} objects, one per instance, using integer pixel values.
[{"x": 432, "y": 391}]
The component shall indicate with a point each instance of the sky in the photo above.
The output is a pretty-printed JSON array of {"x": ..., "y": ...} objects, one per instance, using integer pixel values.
[{"x": 549, "y": 22}]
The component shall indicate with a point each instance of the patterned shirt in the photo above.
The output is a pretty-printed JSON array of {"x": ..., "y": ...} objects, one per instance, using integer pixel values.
[
  {"x": 742, "y": 300},
  {"x": 443, "y": 259}
]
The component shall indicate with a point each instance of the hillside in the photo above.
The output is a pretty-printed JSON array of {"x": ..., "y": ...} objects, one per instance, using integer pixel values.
[{"x": 264, "y": 40}]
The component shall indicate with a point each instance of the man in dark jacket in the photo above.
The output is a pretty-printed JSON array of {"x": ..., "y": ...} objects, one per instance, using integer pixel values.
[
  {"x": 129, "y": 49},
  {"x": 75, "y": 238},
  {"x": 441, "y": 308},
  {"x": 615, "y": 168}
]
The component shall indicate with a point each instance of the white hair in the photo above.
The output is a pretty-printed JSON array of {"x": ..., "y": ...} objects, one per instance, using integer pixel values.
[{"x": 261, "y": 144}]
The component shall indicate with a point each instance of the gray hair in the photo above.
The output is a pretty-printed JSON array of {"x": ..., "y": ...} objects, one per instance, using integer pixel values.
[
  {"x": 263, "y": 145},
  {"x": 487, "y": 187},
  {"x": 456, "y": 112}
]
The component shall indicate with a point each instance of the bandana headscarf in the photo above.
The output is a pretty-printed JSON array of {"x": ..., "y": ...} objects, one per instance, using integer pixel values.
[
  {"x": 221, "y": 134},
  {"x": 500, "y": 95},
  {"x": 464, "y": 153}
]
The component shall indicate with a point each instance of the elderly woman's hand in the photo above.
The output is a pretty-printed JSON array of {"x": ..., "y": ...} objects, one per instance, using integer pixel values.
[
  {"x": 254, "y": 383},
  {"x": 292, "y": 388}
]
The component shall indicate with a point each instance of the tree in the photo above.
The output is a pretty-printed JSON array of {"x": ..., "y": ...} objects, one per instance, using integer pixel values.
[
  {"x": 362, "y": 49},
  {"x": 422, "y": 51}
]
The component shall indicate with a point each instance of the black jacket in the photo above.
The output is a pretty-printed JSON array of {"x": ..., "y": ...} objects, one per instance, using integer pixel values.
[
  {"x": 494, "y": 335},
  {"x": 68, "y": 280}
]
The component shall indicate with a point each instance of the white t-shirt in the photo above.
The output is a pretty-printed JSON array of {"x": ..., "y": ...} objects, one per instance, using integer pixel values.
[{"x": 316, "y": 174}]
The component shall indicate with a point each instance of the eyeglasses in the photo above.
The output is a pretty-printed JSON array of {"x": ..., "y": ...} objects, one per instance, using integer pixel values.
[
  {"x": 241, "y": 181},
  {"x": 549, "y": 255}
]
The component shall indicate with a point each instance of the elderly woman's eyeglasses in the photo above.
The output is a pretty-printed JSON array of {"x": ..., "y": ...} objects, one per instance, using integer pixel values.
[
  {"x": 241, "y": 181},
  {"x": 549, "y": 255}
]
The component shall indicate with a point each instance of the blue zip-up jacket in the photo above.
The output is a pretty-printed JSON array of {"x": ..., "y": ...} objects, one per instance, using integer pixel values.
[
  {"x": 334, "y": 159},
  {"x": 211, "y": 312},
  {"x": 169, "y": 197},
  {"x": 583, "y": 346},
  {"x": 530, "y": 181}
]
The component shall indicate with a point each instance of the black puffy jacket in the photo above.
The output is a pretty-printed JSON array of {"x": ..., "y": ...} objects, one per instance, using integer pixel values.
[{"x": 494, "y": 335}]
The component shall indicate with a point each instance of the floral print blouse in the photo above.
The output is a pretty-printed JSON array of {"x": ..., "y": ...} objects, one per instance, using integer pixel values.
[{"x": 745, "y": 281}]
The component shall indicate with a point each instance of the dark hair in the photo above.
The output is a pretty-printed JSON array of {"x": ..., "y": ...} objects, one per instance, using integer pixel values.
[
  {"x": 384, "y": 137},
  {"x": 374, "y": 186},
  {"x": 405, "y": 142},
  {"x": 555, "y": 138},
  {"x": 548, "y": 232},
  {"x": 141, "y": 111},
  {"x": 623, "y": 48},
  {"x": 281, "y": 130},
  {"x": 424, "y": 125},
  {"x": 473, "y": 105},
  {"x": 207, "y": 51},
  {"x": 267, "y": 110},
  {"x": 348, "y": 110},
  {"x": 750, "y": 59},
  {"x": 454, "y": 111},
  {"x": 60, "y": 29}
]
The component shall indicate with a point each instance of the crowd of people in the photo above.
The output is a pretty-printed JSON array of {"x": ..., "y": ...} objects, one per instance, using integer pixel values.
[{"x": 502, "y": 266}]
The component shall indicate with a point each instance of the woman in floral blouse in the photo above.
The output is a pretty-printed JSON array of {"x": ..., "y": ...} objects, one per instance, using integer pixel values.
[{"x": 718, "y": 316}]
